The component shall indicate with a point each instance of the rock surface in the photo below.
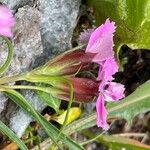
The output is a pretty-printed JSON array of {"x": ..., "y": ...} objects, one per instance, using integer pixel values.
[
  {"x": 15, "y": 4},
  {"x": 27, "y": 47},
  {"x": 58, "y": 20}
]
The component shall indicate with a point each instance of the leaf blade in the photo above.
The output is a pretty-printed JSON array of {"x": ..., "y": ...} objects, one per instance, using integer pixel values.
[
  {"x": 12, "y": 135},
  {"x": 49, "y": 100},
  {"x": 52, "y": 131},
  {"x": 118, "y": 142}
]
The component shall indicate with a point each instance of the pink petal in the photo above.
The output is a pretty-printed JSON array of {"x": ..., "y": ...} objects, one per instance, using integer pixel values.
[
  {"x": 101, "y": 41},
  {"x": 6, "y": 21},
  {"x": 6, "y": 32},
  {"x": 101, "y": 113},
  {"x": 85, "y": 36},
  {"x": 107, "y": 69},
  {"x": 114, "y": 92}
]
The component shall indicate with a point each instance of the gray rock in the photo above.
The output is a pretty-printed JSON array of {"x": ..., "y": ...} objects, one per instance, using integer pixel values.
[
  {"x": 3, "y": 100},
  {"x": 59, "y": 18},
  {"x": 19, "y": 120},
  {"x": 15, "y": 4},
  {"x": 27, "y": 38},
  {"x": 27, "y": 47}
]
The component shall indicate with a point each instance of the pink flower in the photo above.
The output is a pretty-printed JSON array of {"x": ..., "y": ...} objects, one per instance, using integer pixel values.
[
  {"x": 6, "y": 21},
  {"x": 101, "y": 46},
  {"x": 101, "y": 42},
  {"x": 110, "y": 91}
]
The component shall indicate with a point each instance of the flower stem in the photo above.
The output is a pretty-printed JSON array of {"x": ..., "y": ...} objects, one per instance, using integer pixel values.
[
  {"x": 92, "y": 136},
  {"x": 9, "y": 79},
  {"x": 29, "y": 87},
  {"x": 5, "y": 66}
]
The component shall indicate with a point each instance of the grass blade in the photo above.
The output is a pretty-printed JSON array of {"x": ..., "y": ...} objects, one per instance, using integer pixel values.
[
  {"x": 12, "y": 136},
  {"x": 52, "y": 131}
]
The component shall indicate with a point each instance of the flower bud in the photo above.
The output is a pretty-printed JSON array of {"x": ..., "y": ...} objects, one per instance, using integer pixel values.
[
  {"x": 84, "y": 89},
  {"x": 66, "y": 64}
]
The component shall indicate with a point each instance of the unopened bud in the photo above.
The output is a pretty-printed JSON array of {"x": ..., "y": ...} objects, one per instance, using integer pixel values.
[{"x": 66, "y": 64}]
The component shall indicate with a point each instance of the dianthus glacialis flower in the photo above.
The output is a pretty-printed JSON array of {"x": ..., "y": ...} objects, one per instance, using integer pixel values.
[
  {"x": 110, "y": 91},
  {"x": 101, "y": 44},
  {"x": 6, "y": 21}
]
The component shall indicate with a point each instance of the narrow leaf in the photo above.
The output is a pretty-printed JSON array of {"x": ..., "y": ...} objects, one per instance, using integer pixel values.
[
  {"x": 12, "y": 136},
  {"x": 49, "y": 100},
  {"x": 118, "y": 142},
  {"x": 52, "y": 131}
]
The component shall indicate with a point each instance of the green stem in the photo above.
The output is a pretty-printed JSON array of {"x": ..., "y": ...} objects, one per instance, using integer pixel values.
[
  {"x": 68, "y": 108},
  {"x": 92, "y": 136},
  {"x": 28, "y": 77},
  {"x": 14, "y": 78},
  {"x": 5, "y": 66},
  {"x": 28, "y": 87}
]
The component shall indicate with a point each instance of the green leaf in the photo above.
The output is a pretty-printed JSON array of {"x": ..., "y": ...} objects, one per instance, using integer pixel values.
[
  {"x": 52, "y": 131},
  {"x": 12, "y": 136},
  {"x": 132, "y": 19},
  {"x": 137, "y": 102},
  {"x": 49, "y": 100},
  {"x": 118, "y": 142},
  {"x": 5, "y": 66}
]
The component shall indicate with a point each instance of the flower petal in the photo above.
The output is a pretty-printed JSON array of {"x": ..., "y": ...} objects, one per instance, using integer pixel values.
[
  {"x": 6, "y": 21},
  {"x": 101, "y": 113},
  {"x": 114, "y": 92},
  {"x": 101, "y": 42},
  {"x": 6, "y": 32},
  {"x": 107, "y": 69}
]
